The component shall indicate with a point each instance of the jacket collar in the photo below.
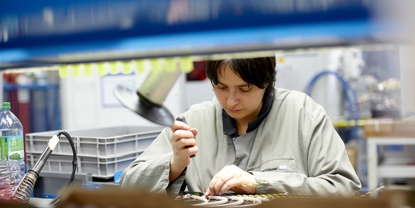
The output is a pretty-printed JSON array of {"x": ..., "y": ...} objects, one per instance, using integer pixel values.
[{"x": 229, "y": 125}]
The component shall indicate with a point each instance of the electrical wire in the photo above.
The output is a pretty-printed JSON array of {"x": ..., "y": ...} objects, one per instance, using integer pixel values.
[{"x": 74, "y": 165}]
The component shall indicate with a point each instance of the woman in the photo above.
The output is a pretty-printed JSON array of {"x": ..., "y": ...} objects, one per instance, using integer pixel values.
[{"x": 251, "y": 138}]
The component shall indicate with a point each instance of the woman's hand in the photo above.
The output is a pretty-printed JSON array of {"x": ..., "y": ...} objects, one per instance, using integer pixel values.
[
  {"x": 232, "y": 178},
  {"x": 183, "y": 142}
]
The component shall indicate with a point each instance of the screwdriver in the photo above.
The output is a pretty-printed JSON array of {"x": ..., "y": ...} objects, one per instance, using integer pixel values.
[{"x": 183, "y": 119}]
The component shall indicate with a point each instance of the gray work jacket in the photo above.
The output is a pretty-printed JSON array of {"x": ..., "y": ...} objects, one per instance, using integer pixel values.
[{"x": 295, "y": 150}]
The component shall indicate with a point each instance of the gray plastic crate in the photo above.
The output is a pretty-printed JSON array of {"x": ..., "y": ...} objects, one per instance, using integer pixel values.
[
  {"x": 98, "y": 142},
  {"x": 101, "y": 167}
]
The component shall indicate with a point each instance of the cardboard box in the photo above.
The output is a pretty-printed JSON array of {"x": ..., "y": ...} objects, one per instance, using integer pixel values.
[
  {"x": 134, "y": 198},
  {"x": 308, "y": 202},
  {"x": 404, "y": 194},
  {"x": 404, "y": 126},
  {"x": 14, "y": 205},
  {"x": 389, "y": 127},
  {"x": 352, "y": 153},
  {"x": 378, "y": 126},
  {"x": 116, "y": 198}
]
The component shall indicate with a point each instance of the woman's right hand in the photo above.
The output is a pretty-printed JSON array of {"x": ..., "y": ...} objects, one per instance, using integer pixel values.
[{"x": 183, "y": 142}]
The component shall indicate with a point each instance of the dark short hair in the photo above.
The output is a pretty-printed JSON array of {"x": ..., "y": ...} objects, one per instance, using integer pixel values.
[{"x": 256, "y": 71}]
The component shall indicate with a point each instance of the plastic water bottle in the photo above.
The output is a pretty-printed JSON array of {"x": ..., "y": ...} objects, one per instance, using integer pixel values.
[{"x": 12, "y": 166}]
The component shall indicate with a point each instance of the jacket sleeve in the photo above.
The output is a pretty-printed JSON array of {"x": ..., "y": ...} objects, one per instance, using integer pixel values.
[
  {"x": 329, "y": 172},
  {"x": 150, "y": 171}
]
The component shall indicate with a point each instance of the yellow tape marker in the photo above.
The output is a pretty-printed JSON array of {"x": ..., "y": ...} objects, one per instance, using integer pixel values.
[
  {"x": 63, "y": 71},
  {"x": 139, "y": 66},
  {"x": 114, "y": 69},
  {"x": 281, "y": 60},
  {"x": 170, "y": 64},
  {"x": 88, "y": 70},
  {"x": 102, "y": 68},
  {"x": 126, "y": 67},
  {"x": 76, "y": 70},
  {"x": 186, "y": 64},
  {"x": 155, "y": 64}
]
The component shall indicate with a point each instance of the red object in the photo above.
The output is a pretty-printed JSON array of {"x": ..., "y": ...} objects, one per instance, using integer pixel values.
[{"x": 198, "y": 73}]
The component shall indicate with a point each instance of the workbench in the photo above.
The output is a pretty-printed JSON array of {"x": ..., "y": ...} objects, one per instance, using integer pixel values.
[{"x": 378, "y": 171}]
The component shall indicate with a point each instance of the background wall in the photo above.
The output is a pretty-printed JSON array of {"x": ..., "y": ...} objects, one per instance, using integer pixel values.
[{"x": 88, "y": 102}]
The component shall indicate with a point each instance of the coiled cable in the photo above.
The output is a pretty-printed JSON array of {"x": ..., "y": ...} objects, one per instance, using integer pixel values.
[{"x": 24, "y": 190}]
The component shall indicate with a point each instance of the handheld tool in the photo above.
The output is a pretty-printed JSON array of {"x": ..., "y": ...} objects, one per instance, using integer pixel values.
[
  {"x": 183, "y": 119},
  {"x": 148, "y": 100}
]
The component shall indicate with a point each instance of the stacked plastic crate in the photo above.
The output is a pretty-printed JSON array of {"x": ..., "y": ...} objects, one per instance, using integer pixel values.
[{"x": 101, "y": 151}]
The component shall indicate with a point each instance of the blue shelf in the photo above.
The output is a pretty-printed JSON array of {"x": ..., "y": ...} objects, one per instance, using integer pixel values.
[
  {"x": 48, "y": 32},
  {"x": 47, "y": 111}
]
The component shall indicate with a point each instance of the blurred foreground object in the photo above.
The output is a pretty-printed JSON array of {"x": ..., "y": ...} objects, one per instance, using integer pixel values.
[
  {"x": 134, "y": 198},
  {"x": 117, "y": 198}
]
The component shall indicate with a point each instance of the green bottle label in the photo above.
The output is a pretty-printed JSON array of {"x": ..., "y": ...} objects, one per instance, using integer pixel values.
[{"x": 11, "y": 147}]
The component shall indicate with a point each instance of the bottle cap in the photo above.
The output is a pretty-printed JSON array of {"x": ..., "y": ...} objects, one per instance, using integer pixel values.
[{"x": 6, "y": 106}]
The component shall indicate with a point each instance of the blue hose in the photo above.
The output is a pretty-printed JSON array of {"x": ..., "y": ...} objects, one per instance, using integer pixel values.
[{"x": 350, "y": 94}]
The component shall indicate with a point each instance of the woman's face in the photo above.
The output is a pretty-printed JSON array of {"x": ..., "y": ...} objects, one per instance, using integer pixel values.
[{"x": 240, "y": 100}]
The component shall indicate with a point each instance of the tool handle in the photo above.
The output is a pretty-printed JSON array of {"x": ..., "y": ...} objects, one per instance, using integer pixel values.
[{"x": 183, "y": 119}]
